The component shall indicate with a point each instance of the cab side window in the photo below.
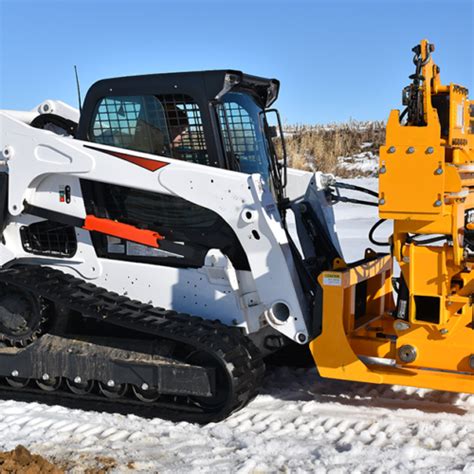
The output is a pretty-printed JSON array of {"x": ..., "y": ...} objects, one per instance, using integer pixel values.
[
  {"x": 242, "y": 132},
  {"x": 166, "y": 125}
]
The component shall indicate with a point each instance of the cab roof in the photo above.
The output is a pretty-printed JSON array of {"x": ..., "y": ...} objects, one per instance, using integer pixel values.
[{"x": 213, "y": 84}]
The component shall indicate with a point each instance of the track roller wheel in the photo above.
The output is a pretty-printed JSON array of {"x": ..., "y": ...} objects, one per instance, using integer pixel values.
[
  {"x": 147, "y": 395},
  {"x": 113, "y": 391},
  {"x": 17, "y": 382},
  {"x": 78, "y": 387},
  {"x": 49, "y": 384}
]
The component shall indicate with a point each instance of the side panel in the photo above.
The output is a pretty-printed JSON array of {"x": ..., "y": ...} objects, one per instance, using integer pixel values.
[
  {"x": 243, "y": 201},
  {"x": 185, "y": 290}
]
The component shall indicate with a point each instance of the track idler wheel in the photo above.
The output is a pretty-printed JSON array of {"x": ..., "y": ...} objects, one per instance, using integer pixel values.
[
  {"x": 205, "y": 359},
  {"x": 22, "y": 316}
]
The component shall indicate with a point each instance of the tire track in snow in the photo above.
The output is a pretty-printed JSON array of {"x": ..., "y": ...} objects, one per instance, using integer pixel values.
[{"x": 300, "y": 421}]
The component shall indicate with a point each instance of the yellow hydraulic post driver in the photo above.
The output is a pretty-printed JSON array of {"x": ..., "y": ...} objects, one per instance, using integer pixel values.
[{"x": 426, "y": 188}]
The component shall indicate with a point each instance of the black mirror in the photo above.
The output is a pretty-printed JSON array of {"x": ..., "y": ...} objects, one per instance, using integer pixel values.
[
  {"x": 273, "y": 131},
  {"x": 276, "y": 131}
]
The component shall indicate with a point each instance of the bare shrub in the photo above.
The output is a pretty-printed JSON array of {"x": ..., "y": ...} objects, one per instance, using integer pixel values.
[{"x": 324, "y": 147}]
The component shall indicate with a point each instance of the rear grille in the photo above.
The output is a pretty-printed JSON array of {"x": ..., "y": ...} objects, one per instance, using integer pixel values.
[{"x": 49, "y": 238}]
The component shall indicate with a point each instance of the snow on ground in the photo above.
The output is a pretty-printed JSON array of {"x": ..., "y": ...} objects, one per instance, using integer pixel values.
[
  {"x": 299, "y": 423},
  {"x": 364, "y": 163},
  {"x": 353, "y": 221}
]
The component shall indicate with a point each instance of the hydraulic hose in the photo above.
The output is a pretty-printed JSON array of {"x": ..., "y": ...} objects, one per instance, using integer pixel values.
[
  {"x": 372, "y": 231},
  {"x": 353, "y": 187},
  {"x": 355, "y": 201}
]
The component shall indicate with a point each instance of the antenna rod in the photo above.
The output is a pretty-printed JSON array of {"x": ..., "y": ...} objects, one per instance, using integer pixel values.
[{"x": 78, "y": 89}]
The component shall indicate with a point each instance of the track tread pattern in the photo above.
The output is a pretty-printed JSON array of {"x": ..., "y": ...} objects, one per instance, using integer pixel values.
[{"x": 241, "y": 359}]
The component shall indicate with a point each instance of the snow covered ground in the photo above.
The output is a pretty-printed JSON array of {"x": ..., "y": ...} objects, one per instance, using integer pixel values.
[
  {"x": 300, "y": 422},
  {"x": 363, "y": 164},
  {"x": 353, "y": 221}
]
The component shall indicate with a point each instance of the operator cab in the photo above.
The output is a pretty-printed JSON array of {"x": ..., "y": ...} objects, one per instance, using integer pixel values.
[{"x": 213, "y": 118}]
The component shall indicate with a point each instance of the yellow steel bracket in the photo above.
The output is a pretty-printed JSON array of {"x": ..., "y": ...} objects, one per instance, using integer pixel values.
[
  {"x": 332, "y": 351},
  {"x": 337, "y": 350}
]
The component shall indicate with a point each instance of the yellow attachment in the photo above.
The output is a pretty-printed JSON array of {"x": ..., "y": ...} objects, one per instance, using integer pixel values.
[
  {"x": 411, "y": 156},
  {"x": 366, "y": 347},
  {"x": 426, "y": 187}
]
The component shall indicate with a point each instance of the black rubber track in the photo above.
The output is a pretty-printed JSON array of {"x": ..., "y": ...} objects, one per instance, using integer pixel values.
[{"x": 235, "y": 353}]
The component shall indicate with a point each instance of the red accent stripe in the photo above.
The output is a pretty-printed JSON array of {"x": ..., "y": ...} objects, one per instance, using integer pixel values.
[
  {"x": 123, "y": 231},
  {"x": 147, "y": 163},
  {"x": 150, "y": 165}
]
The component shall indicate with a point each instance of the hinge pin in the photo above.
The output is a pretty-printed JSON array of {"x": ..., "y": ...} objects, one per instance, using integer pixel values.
[{"x": 407, "y": 353}]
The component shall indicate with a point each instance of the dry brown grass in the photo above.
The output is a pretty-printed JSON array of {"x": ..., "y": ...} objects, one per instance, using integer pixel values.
[{"x": 318, "y": 147}]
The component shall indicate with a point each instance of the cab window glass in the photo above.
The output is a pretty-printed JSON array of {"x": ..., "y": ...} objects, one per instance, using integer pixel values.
[
  {"x": 242, "y": 131},
  {"x": 166, "y": 125}
]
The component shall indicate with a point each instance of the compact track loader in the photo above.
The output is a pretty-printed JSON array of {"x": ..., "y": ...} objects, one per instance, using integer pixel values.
[{"x": 173, "y": 191}]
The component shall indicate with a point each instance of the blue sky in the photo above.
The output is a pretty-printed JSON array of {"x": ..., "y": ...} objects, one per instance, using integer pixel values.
[{"x": 336, "y": 59}]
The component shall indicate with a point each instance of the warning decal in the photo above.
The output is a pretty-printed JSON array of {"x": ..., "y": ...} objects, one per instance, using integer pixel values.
[{"x": 332, "y": 279}]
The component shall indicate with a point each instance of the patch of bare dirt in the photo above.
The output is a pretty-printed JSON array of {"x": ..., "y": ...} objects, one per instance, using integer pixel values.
[
  {"x": 21, "y": 461},
  {"x": 105, "y": 464}
]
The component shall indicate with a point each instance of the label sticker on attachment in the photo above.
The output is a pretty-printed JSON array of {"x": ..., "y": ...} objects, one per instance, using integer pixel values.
[{"x": 332, "y": 279}]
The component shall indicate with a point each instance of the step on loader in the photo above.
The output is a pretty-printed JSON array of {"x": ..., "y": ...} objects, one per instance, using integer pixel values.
[{"x": 156, "y": 247}]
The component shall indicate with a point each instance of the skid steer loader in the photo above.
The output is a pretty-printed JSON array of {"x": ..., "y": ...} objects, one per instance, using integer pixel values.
[{"x": 173, "y": 191}]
